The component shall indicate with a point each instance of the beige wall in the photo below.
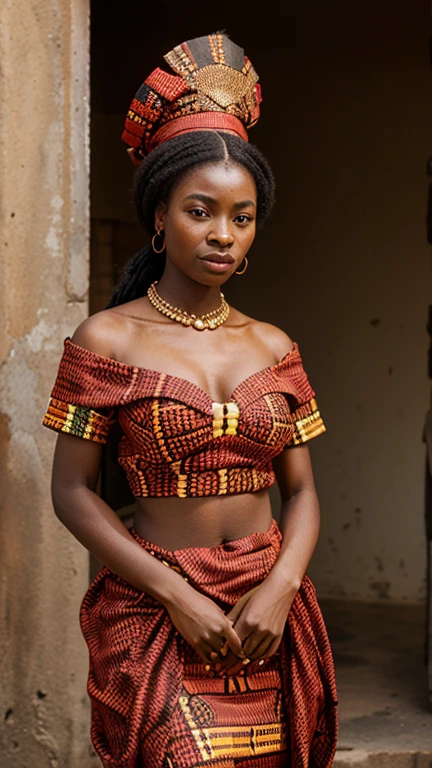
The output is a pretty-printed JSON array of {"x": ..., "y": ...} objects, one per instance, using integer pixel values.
[
  {"x": 44, "y": 281},
  {"x": 343, "y": 265}
]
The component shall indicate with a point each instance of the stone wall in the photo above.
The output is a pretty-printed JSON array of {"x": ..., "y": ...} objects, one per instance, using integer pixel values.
[{"x": 44, "y": 284}]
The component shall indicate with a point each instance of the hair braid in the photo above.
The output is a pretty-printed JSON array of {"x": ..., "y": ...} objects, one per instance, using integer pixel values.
[{"x": 155, "y": 179}]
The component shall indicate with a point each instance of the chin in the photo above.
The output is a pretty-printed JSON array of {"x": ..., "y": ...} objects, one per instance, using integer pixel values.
[{"x": 213, "y": 280}]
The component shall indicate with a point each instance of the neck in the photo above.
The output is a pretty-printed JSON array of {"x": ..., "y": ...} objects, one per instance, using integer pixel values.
[{"x": 182, "y": 292}]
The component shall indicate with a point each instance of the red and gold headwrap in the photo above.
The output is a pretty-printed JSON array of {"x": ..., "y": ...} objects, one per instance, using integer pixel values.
[{"x": 215, "y": 88}]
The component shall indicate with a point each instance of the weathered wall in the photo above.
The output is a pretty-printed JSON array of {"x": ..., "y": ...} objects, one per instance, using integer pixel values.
[
  {"x": 343, "y": 265},
  {"x": 44, "y": 279}
]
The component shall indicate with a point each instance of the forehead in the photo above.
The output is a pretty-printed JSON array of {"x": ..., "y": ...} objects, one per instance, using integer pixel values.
[{"x": 218, "y": 180}]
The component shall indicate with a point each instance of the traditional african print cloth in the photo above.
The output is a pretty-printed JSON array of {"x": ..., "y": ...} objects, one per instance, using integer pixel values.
[
  {"x": 176, "y": 441},
  {"x": 215, "y": 87},
  {"x": 155, "y": 706}
]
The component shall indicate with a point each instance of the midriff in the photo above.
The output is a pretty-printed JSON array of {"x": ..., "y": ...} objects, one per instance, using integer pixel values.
[{"x": 175, "y": 523}]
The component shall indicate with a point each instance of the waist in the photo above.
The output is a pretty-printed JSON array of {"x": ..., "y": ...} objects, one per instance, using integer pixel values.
[{"x": 175, "y": 523}]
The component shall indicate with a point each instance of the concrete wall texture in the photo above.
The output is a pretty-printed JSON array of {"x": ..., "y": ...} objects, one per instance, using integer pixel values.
[
  {"x": 44, "y": 269},
  {"x": 343, "y": 265}
]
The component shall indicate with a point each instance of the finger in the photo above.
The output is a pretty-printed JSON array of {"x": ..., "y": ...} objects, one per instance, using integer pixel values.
[
  {"x": 255, "y": 641},
  {"x": 237, "y": 609},
  {"x": 204, "y": 651},
  {"x": 260, "y": 649},
  {"x": 216, "y": 644},
  {"x": 229, "y": 661},
  {"x": 224, "y": 650},
  {"x": 233, "y": 640},
  {"x": 238, "y": 668},
  {"x": 272, "y": 649}
]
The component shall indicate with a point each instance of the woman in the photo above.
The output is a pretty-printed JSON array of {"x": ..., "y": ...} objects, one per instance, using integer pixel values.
[{"x": 206, "y": 642}]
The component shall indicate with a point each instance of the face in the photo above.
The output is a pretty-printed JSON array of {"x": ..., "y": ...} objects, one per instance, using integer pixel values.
[{"x": 209, "y": 222}]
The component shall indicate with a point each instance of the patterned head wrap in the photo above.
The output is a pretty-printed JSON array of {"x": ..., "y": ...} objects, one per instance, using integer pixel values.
[{"x": 215, "y": 88}]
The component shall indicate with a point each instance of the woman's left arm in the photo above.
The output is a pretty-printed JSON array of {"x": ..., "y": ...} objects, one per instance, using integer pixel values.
[
  {"x": 260, "y": 619},
  {"x": 299, "y": 519}
]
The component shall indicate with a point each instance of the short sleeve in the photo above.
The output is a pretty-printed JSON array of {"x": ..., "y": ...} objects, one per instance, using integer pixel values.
[
  {"x": 78, "y": 420},
  {"x": 305, "y": 416},
  {"x": 85, "y": 394}
]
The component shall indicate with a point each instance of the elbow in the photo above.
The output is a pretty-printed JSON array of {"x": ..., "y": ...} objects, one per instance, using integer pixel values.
[
  {"x": 61, "y": 499},
  {"x": 303, "y": 491},
  {"x": 65, "y": 500}
]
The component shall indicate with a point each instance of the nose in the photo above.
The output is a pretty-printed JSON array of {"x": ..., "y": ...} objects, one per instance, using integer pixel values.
[{"x": 221, "y": 234}]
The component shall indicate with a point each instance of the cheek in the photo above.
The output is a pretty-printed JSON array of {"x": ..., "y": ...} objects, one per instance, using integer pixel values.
[
  {"x": 184, "y": 230},
  {"x": 250, "y": 235}
]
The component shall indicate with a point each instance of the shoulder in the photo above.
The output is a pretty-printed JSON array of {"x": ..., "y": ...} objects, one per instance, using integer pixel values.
[
  {"x": 268, "y": 336},
  {"x": 276, "y": 339},
  {"x": 100, "y": 333}
]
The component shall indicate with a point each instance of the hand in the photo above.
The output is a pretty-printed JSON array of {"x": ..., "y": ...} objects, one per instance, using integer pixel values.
[
  {"x": 204, "y": 626},
  {"x": 259, "y": 619}
]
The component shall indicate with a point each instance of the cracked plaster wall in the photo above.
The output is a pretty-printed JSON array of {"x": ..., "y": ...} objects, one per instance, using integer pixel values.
[{"x": 44, "y": 268}]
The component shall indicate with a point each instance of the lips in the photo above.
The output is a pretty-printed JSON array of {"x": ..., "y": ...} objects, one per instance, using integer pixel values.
[{"x": 218, "y": 258}]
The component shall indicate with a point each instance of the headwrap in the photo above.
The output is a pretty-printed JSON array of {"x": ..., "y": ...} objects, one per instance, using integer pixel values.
[{"x": 215, "y": 88}]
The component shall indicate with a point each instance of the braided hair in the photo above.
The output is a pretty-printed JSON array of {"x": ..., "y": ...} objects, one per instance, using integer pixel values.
[{"x": 155, "y": 179}]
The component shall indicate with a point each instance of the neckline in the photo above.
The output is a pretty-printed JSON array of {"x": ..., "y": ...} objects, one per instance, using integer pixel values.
[{"x": 180, "y": 381}]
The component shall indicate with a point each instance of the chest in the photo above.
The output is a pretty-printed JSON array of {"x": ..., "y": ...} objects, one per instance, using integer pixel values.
[{"x": 260, "y": 424}]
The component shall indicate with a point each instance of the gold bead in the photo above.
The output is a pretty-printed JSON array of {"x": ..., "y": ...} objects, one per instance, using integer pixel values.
[{"x": 209, "y": 321}]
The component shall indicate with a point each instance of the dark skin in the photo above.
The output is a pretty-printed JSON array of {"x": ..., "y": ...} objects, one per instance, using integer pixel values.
[{"x": 211, "y": 210}]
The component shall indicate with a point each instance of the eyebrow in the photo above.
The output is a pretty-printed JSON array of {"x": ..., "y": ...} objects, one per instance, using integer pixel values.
[{"x": 210, "y": 200}]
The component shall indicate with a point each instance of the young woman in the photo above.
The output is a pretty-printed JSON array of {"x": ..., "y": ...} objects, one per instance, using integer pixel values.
[{"x": 207, "y": 645}]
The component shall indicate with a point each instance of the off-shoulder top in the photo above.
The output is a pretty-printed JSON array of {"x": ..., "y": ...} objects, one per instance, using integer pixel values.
[{"x": 176, "y": 441}]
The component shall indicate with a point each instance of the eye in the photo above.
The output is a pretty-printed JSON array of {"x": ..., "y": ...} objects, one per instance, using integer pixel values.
[
  {"x": 243, "y": 218},
  {"x": 199, "y": 213}
]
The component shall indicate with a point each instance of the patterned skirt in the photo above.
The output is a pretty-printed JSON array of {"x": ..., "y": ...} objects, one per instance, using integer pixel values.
[{"x": 155, "y": 706}]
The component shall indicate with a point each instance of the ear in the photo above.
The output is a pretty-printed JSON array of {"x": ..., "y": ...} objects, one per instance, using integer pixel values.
[{"x": 160, "y": 213}]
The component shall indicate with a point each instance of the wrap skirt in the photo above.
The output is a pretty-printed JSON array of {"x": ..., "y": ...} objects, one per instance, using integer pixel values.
[{"x": 155, "y": 706}]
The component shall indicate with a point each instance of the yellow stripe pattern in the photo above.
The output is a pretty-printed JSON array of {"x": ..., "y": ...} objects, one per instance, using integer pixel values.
[{"x": 309, "y": 426}]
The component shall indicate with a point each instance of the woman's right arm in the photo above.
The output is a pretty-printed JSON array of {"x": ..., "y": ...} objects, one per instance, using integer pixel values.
[{"x": 93, "y": 522}]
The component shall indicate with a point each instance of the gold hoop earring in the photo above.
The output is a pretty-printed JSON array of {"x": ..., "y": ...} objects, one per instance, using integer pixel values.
[
  {"x": 242, "y": 271},
  {"x": 156, "y": 250}
]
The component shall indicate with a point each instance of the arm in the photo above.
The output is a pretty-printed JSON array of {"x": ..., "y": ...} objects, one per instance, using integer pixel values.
[
  {"x": 75, "y": 473},
  {"x": 299, "y": 518},
  {"x": 260, "y": 616},
  {"x": 97, "y": 527}
]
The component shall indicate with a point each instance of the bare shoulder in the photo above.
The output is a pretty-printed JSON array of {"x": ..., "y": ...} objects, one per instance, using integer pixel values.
[
  {"x": 273, "y": 337},
  {"x": 100, "y": 333},
  {"x": 266, "y": 334}
]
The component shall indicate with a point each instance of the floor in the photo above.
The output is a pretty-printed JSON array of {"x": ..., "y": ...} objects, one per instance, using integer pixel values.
[{"x": 385, "y": 715}]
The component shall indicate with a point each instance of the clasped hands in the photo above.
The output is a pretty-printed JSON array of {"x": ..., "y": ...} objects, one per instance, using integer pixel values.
[
  {"x": 250, "y": 632},
  {"x": 258, "y": 621}
]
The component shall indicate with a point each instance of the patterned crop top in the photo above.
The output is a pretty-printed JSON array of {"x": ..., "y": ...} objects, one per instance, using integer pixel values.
[{"x": 175, "y": 440}]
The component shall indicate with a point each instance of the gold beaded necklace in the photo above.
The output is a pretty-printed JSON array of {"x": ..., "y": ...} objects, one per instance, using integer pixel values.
[{"x": 209, "y": 321}]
